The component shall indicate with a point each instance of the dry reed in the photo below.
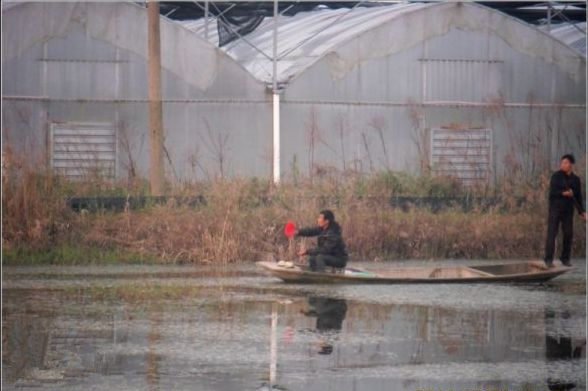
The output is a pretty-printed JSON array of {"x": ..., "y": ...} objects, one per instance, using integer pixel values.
[{"x": 242, "y": 220}]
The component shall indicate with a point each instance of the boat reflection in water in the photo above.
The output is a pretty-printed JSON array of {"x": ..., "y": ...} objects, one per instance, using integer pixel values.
[
  {"x": 559, "y": 345},
  {"x": 330, "y": 314},
  {"x": 181, "y": 334},
  {"x": 407, "y": 338}
]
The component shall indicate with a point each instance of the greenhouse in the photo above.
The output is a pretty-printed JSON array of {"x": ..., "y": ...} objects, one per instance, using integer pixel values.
[{"x": 458, "y": 89}]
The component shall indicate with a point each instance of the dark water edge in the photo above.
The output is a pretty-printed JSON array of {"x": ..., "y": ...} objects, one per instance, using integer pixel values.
[{"x": 233, "y": 328}]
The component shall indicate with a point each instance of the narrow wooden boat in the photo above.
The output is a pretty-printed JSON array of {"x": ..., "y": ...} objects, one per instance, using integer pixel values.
[{"x": 528, "y": 271}]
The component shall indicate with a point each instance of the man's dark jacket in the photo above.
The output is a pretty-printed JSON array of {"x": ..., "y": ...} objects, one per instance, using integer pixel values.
[
  {"x": 561, "y": 182},
  {"x": 329, "y": 242}
]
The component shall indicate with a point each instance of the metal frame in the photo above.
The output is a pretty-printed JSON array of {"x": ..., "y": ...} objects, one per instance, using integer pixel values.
[
  {"x": 104, "y": 125},
  {"x": 238, "y": 35},
  {"x": 516, "y": 105},
  {"x": 560, "y": 13},
  {"x": 490, "y": 154}
]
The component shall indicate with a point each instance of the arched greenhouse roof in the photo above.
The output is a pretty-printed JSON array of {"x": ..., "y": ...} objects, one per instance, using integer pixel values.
[
  {"x": 308, "y": 37},
  {"x": 122, "y": 24}
]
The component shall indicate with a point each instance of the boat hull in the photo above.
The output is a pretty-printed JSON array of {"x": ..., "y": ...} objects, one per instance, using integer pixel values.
[{"x": 530, "y": 271}]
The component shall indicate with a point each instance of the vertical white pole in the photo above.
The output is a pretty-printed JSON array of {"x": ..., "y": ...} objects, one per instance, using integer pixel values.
[
  {"x": 273, "y": 346},
  {"x": 276, "y": 101},
  {"x": 276, "y": 138}
]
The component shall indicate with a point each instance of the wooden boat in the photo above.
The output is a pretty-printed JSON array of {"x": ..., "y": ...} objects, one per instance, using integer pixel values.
[{"x": 529, "y": 271}]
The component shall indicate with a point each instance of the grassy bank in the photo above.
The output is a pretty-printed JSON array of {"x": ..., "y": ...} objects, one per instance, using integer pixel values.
[{"x": 242, "y": 220}]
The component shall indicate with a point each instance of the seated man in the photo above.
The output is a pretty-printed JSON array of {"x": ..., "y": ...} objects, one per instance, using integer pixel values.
[{"x": 330, "y": 250}]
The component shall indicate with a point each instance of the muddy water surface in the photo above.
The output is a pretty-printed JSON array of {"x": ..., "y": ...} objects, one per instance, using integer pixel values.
[{"x": 232, "y": 328}]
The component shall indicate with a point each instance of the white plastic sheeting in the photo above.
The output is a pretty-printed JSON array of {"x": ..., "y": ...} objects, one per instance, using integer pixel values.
[
  {"x": 86, "y": 63},
  {"x": 573, "y": 35},
  {"x": 122, "y": 24},
  {"x": 362, "y": 91},
  {"x": 303, "y": 38},
  {"x": 336, "y": 35}
]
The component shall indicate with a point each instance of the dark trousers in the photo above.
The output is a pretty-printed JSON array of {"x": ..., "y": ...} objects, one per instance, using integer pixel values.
[
  {"x": 318, "y": 262},
  {"x": 564, "y": 216}
]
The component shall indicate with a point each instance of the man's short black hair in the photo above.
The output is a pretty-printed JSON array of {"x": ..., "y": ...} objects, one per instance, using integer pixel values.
[
  {"x": 570, "y": 157},
  {"x": 328, "y": 215}
]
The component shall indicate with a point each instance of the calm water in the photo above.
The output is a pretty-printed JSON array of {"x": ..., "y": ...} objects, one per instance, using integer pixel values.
[{"x": 188, "y": 328}]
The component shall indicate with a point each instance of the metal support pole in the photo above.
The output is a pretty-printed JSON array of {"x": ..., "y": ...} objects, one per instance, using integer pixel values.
[
  {"x": 276, "y": 101},
  {"x": 549, "y": 16},
  {"x": 206, "y": 20},
  {"x": 156, "y": 172}
]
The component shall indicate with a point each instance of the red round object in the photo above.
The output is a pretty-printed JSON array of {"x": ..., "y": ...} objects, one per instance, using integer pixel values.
[{"x": 290, "y": 229}]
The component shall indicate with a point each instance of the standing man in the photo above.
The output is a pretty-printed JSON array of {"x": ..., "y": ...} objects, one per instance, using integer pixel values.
[
  {"x": 565, "y": 193},
  {"x": 330, "y": 249}
]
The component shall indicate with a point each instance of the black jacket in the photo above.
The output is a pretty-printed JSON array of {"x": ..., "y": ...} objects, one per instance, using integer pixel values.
[
  {"x": 561, "y": 182},
  {"x": 329, "y": 242}
]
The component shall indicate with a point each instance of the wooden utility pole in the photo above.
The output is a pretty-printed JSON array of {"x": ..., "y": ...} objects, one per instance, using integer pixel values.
[{"x": 156, "y": 170}]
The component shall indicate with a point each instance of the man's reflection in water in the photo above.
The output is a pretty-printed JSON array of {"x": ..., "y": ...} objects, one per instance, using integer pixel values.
[
  {"x": 559, "y": 345},
  {"x": 329, "y": 314}
]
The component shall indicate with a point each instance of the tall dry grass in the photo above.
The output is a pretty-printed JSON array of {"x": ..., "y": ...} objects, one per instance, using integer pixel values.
[
  {"x": 242, "y": 220},
  {"x": 33, "y": 209}
]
